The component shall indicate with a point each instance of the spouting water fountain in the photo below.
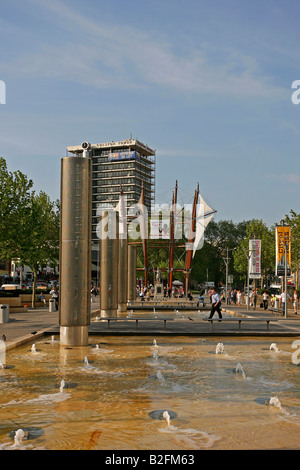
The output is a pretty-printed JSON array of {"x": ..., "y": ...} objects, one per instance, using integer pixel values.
[
  {"x": 19, "y": 436},
  {"x": 239, "y": 369},
  {"x": 117, "y": 400},
  {"x": 220, "y": 348},
  {"x": 62, "y": 386},
  {"x": 166, "y": 416}
]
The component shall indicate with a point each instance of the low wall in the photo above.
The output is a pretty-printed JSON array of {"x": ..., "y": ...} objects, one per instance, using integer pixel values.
[{"x": 21, "y": 303}]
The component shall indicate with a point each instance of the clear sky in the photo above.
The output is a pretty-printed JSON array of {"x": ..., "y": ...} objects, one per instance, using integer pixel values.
[{"x": 207, "y": 84}]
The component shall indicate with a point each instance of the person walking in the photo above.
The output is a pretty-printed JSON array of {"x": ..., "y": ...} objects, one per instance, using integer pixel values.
[
  {"x": 265, "y": 298},
  {"x": 54, "y": 294},
  {"x": 295, "y": 301},
  {"x": 283, "y": 299},
  {"x": 254, "y": 299},
  {"x": 216, "y": 305}
]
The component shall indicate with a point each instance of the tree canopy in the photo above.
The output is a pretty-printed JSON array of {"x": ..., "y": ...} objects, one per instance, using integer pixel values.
[{"x": 29, "y": 222}]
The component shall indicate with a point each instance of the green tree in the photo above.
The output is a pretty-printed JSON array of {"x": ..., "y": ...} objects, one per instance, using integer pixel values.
[
  {"x": 15, "y": 203},
  {"x": 209, "y": 260},
  {"x": 29, "y": 222},
  {"x": 257, "y": 229},
  {"x": 40, "y": 235}
]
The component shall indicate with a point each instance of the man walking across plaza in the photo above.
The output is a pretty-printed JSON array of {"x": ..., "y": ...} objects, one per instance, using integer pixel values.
[{"x": 216, "y": 305}]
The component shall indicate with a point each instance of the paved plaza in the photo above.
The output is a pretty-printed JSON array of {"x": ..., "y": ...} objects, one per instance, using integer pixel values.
[{"x": 28, "y": 326}]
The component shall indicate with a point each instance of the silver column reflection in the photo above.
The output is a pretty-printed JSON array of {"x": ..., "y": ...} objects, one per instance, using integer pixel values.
[
  {"x": 131, "y": 273},
  {"x": 123, "y": 257},
  {"x": 109, "y": 254},
  {"x": 75, "y": 250}
]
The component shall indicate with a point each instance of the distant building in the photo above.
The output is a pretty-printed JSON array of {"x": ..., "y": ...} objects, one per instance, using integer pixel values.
[{"x": 127, "y": 163}]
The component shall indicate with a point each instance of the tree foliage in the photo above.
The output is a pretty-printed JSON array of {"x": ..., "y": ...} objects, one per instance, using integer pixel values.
[
  {"x": 257, "y": 229},
  {"x": 29, "y": 222},
  {"x": 208, "y": 263},
  {"x": 15, "y": 204}
]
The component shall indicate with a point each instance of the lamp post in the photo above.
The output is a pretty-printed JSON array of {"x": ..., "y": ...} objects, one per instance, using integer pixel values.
[
  {"x": 285, "y": 243},
  {"x": 226, "y": 261},
  {"x": 248, "y": 256}
]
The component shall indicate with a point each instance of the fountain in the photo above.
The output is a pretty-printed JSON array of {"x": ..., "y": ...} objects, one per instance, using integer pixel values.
[
  {"x": 275, "y": 402},
  {"x": 19, "y": 436},
  {"x": 220, "y": 348},
  {"x": 160, "y": 376},
  {"x": 155, "y": 354},
  {"x": 239, "y": 369},
  {"x": 62, "y": 386},
  {"x": 166, "y": 416},
  {"x": 33, "y": 348},
  {"x": 194, "y": 394}
]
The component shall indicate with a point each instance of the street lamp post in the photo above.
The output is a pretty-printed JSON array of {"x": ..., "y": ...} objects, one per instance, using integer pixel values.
[
  {"x": 248, "y": 256},
  {"x": 285, "y": 243},
  {"x": 226, "y": 261}
]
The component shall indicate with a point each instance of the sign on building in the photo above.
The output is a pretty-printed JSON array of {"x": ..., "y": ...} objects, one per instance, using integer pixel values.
[{"x": 116, "y": 156}]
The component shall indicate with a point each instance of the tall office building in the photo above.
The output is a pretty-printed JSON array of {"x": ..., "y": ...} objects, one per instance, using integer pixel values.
[{"x": 127, "y": 163}]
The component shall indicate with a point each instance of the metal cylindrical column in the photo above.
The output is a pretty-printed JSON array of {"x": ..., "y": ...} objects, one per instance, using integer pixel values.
[
  {"x": 131, "y": 273},
  {"x": 75, "y": 250},
  {"x": 109, "y": 254},
  {"x": 123, "y": 275}
]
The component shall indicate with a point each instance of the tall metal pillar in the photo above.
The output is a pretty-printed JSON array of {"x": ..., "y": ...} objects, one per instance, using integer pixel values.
[
  {"x": 75, "y": 249},
  {"x": 109, "y": 254},
  {"x": 131, "y": 273},
  {"x": 123, "y": 275},
  {"x": 123, "y": 255}
]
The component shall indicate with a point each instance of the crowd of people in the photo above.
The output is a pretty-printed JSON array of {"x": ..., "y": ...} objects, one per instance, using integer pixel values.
[
  {"x": 266, "y": 300},
  {"x": 145, "y": 293}
]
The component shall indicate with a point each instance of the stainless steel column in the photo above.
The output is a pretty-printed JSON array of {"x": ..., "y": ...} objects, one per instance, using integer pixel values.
[
  {"x": 75, "y": 250},
  {"x": 109, "y": 253},
  {"x": 131, "y": 273},
  {"x": 123, "y": 275}
]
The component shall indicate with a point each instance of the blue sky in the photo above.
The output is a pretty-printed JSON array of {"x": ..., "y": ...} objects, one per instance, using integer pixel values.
[{"x": 207, "y": 84}]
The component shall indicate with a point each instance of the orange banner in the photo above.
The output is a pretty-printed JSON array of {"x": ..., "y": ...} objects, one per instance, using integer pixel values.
[{"x": 283, "y": 243}]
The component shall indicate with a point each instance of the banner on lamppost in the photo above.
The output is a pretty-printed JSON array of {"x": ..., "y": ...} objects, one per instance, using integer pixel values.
[
  {"x": 283, "y": 242},
  {"x": 254, "y": 259}
]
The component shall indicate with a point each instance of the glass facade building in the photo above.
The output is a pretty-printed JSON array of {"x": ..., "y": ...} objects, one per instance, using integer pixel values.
[{"x": 129, "y": 164}]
